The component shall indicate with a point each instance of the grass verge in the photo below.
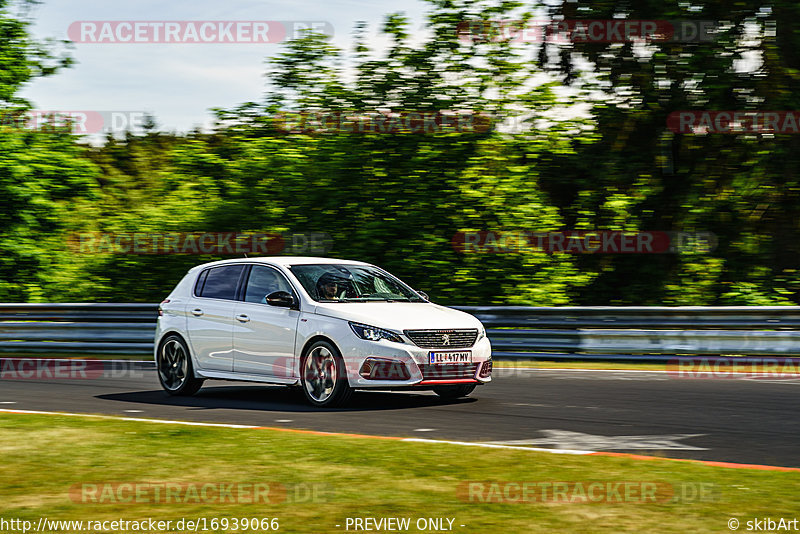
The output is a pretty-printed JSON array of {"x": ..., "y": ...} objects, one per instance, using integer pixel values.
[
  {"x": 45, "y": 457},
  {"x": 622, "y": 366}
]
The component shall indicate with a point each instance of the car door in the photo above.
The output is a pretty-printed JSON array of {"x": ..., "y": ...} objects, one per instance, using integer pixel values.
[
  {"x": 210, "y": 317},
  {"x": 264, "y": 335}
]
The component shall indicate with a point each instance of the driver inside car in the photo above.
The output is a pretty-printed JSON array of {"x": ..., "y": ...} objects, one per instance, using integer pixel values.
[{"x": 328, "y": 287}]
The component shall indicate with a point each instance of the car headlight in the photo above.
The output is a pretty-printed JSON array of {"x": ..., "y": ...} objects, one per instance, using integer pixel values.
[
  {"x": 373, "y": 333},
  {"x": 481, "y": 333}
]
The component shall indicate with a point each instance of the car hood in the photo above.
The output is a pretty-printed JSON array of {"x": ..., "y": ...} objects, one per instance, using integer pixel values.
[{"x": 399, "y": 316}]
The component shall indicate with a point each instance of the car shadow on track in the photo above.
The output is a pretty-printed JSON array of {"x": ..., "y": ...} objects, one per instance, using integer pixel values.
[{"x": 282, "y": 399}]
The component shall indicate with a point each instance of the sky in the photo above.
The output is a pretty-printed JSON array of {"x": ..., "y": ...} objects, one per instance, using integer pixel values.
[{"x": 179, "y": 82}]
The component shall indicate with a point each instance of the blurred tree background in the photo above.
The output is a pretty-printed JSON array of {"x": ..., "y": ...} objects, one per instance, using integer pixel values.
[{"x": 579, "y": 141}]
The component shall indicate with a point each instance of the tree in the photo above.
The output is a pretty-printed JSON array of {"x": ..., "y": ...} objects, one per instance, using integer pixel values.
[
  {"x": 639, "y": 174},
  {"x": 22, "y": 58},
  {"x": 44, "y": 177}
]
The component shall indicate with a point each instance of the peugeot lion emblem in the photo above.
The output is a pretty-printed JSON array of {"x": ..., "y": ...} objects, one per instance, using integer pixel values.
[{"x": 445, "y": 339}]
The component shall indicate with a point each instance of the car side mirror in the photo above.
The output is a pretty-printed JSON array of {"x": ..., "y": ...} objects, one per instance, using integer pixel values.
[
  {"x": 282, "y": 299},
  {"x": 424, "y": 295}
]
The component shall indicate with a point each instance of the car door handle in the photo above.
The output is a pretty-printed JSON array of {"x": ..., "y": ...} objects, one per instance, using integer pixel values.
[
  {"x": 197, "y": 312},
  {"x": 242, "y": 318}
]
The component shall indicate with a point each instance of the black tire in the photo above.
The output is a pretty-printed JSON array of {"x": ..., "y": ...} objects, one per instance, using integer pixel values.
[
  {"x": 323, "y": 376},
  {"x": 454, "y": 392},
  {"x": 175, "y": 369},
  {"x": 296, "y": 393}
]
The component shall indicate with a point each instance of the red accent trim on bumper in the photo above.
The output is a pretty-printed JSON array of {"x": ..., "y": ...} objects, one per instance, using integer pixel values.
[{"x": 450, "y": 381}]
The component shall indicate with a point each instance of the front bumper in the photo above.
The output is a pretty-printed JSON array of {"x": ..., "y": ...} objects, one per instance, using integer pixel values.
[{"x": 415, "y": 360}]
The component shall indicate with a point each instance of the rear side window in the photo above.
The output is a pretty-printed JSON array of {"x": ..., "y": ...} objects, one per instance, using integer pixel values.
[
  {"x": 220, "y": 282},
  {"x": 198, "y": 287}
]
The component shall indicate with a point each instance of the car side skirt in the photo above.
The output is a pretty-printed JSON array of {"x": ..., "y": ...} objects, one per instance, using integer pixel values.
[{"x": 241, "y": 377}]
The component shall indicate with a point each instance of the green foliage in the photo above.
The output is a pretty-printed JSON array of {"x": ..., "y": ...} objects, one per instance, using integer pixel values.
[
  {"x": 45, "y": 179},
  {"x": 639, "y": 174},
  {"x": 397, "y": 199},
  {"x": 21, "y": 58}
]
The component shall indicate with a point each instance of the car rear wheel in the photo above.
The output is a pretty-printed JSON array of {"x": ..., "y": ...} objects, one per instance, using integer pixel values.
[
  {"x": 324, "y": 377},
  {"x": 175, "y": 371},
  {"x": 454, "y": 392}
]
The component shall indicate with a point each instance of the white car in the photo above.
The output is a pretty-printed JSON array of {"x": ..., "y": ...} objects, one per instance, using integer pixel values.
[{"x": 327, "y": 325}]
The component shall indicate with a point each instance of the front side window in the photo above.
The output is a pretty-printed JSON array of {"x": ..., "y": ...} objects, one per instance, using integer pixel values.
[
  {"x": 262, "y": 282},
  {"x": 221, "y": 282},
  {"x": 352, "y": 283}
]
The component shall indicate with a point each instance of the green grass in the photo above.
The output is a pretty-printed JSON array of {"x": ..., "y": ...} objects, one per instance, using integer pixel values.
[
  {"x": 43, "y": 456},
  {"x": 581, "y": 365}
]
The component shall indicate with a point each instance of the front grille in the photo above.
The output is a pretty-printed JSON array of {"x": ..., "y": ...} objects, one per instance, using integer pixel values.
[
  {"x": 443, "y": 339},
  {"x": 447, "y": 371}
]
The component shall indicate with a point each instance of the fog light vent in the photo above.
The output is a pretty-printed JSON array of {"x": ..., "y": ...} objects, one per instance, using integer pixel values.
[{"x": 374, "y": 369}]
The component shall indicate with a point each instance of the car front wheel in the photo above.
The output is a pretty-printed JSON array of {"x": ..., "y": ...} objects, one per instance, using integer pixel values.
[{"x": 324, "y": 377}]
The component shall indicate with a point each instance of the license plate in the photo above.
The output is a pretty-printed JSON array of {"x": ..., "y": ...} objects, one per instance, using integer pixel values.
[{"x": 450, "y": 357}]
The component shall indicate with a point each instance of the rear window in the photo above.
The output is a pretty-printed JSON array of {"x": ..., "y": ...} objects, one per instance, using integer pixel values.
[{"x": 220, "y": 282}]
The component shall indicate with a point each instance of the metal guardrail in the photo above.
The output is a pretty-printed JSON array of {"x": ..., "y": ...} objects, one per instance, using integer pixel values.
[
  {"x": 516, "y": 332},
  {"x": 643, "y": 333},
  {"x": 85, "y": 328}
]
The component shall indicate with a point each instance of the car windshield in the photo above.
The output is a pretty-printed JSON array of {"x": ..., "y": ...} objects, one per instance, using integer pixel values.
[{"x": 352, "y": 283}]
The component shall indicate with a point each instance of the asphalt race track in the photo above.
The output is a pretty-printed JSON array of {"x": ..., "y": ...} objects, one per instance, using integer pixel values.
[{"x": 732, "y": 420}]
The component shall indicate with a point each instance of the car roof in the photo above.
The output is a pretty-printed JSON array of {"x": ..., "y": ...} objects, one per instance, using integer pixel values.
[{"x": 283, "y": 261}]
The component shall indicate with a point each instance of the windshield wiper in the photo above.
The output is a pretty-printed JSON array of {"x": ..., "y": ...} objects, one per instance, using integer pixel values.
[
  {"x": 375, "y": 297},
  {"x": 367, "y": 298}
]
